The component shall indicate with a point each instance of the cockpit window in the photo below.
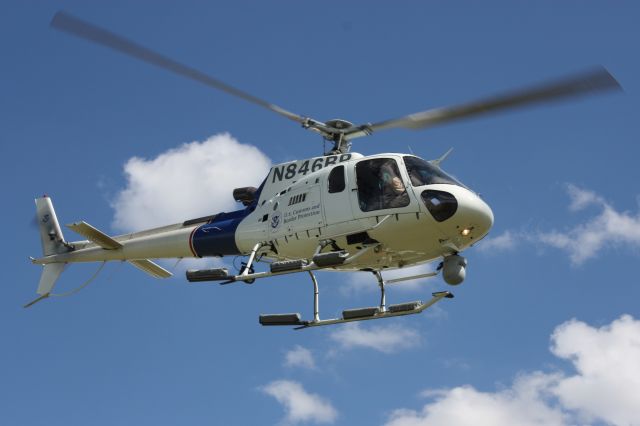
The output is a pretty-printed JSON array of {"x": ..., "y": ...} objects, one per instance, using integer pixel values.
[
  {"x": 424, "y": 173},
  {"x": 380, "y": 185}
]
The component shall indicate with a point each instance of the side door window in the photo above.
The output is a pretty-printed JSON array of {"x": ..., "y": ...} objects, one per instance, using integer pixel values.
[
  {"x": 380, "y": 185},
  {"x": 336, "y": 181}
]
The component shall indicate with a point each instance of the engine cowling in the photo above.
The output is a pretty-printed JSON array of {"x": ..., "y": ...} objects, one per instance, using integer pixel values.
[{"x": 454, "y": 269}]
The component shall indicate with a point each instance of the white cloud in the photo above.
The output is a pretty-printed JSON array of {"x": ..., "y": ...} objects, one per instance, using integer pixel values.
[
  {"x": 605, "y": 386},
  {"x": 607, "y": 361},
  {"x": 386, "y": 339},
  {"x": 195, "y": 179},
  {"x": 299, "y": 357},
  {"x": 299, "y": 405},
  {"x": 581, "y": 198},
  {"x": 610, "y": 228},
  {"x": 505, "y": 241},
  {"x": 523, "y": 404},
  {"x": 179, "y": 266}
]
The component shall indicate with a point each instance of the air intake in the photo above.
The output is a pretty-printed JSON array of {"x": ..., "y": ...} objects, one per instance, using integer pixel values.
[{"x": 246, "y": 195}]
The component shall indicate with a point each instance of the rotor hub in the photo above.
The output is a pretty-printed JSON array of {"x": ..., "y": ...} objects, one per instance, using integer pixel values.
[
  {"x": 341, "y": 144},
  {"x": 339, "y": 124}
]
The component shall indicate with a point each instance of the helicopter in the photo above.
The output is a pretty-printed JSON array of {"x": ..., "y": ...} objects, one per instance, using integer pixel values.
[{"x": 341, "y": 211}]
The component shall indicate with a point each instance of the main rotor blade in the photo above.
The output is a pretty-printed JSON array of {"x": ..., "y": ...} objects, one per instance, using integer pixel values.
[
  {"x": 581, "y": 84},
  {"x": 64, "y": 22}
]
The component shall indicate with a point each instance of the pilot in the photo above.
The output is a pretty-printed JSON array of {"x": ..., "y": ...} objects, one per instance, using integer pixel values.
[{"x": 394, "y": 193}]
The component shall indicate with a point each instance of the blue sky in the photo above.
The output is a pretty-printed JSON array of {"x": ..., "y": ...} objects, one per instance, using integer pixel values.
[{"x": 531, "y": 334}]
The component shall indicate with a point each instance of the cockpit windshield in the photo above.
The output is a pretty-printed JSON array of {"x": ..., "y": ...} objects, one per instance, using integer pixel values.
[{"x": 424, "y": 173}]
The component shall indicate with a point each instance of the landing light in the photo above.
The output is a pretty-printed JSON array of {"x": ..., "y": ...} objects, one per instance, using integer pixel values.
[{"x": 465, "y": 232}]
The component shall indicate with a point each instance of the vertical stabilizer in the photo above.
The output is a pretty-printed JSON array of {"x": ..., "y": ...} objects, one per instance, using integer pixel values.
[
  {"x": 50, "y": 275},
  {"x": 50, "y": 232},
  {"x": 52, "y": 243}
]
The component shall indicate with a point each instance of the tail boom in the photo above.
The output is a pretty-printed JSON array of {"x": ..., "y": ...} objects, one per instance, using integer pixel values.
[
  {"x": 172, "y": 241},
  {"x": 207, "y": 236},
  {"x": 162, "y": 244}
]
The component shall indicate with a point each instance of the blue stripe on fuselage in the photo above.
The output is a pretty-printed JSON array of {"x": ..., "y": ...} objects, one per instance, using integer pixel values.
[{"x": 218, "y": 237}]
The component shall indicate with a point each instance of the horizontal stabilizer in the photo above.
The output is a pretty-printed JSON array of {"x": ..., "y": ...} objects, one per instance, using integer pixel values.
[
  {"x": 106, "y": 242},
  {"x": 151, "y": 268},
  {"x": 94, "y": 235}
]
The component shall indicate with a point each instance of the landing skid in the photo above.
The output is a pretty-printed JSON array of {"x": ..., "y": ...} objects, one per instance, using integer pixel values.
[
  {"x": 321, "y": 261},
  {"x": 362, "y": 314},
  {"x": 358, "y": 314}
]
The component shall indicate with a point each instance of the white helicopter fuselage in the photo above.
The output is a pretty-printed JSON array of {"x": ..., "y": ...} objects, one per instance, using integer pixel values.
[
  {"x": 298, "y": 212},
  {"x": 353, "y": 201}
]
